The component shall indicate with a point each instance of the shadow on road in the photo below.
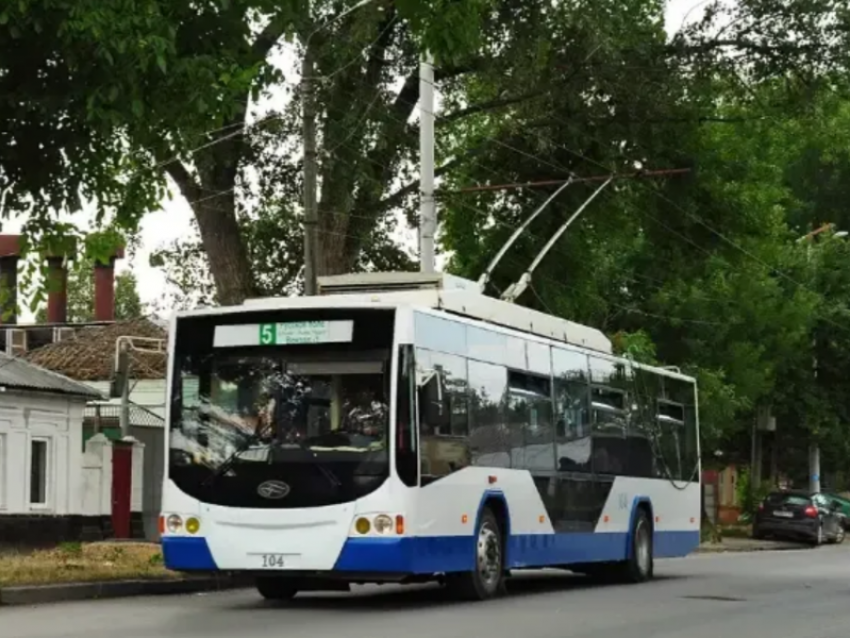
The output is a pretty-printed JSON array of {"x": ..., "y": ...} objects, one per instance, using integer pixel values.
[{"x": 422, "y": 596}]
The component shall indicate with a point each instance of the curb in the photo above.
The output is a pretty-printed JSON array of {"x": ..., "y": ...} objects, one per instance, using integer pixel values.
[
  {"x": 721, "y": 548},
  {"x": 46, "y": 594}
]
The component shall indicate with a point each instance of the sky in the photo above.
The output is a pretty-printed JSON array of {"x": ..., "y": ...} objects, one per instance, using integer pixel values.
[{"x": 173, "y": 220}]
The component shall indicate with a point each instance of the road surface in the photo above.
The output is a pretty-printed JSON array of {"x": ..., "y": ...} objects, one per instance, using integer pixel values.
[{"x": 793, "y": 594}]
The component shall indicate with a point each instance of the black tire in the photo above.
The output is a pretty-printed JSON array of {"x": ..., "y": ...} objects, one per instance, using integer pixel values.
[
  {"x": 758, "y": 534},
  {"x": 819, "y": 538},
  {"x": 639, "y": 567},
  {"x": 487, "y": 579},
  {"x": 276, "y": 588},
  {"x": 839, "y": 535}
]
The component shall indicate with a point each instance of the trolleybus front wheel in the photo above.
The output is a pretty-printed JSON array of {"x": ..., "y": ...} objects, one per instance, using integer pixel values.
[
  {"x": 276, "y": 588},
  {"x": 487, "y": 579}
]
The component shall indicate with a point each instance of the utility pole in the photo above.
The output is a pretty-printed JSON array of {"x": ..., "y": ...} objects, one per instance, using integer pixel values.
[
  {"x": 311, "y": 170},
  {"x": 814, "y": 448},
  {"x": 427, "y": 205}
]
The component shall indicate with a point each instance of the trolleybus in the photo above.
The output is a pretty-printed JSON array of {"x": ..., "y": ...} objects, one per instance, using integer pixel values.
[{"x": 401, "y": 428}]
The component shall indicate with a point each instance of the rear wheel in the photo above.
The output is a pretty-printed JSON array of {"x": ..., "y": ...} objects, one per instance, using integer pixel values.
[
  {"x": 487, "y": 579},
  {"x": 839, "y": 535},
  {"x": 276, "y": 588},
  {"x": 818, "y": 540},
  {"x": 640, "y": 566}
]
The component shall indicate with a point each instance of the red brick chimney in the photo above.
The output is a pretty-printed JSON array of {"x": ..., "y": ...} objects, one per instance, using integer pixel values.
[
  {"x": 104, "y": 287},
  {"x": 10, "y": 252},
  {"x": 57, "y": 290}
]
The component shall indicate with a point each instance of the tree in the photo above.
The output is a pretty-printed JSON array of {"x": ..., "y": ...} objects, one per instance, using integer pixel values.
[
  {"x": 168, "y": 90},
  {"x": 108, "y": 99},
  {"x": 128, "y": 305}
]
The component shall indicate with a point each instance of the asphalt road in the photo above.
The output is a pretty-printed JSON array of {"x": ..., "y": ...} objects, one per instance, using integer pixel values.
[{"x": 793, "y": 594}]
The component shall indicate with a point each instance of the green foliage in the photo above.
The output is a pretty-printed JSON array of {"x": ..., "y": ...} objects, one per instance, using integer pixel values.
[
  {"x": 110, "y": 101},
  {"x": 748, "y": 496}
]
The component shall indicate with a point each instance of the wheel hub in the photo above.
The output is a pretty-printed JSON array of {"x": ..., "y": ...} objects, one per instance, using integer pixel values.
[
  {"x": 642, "y": 549},
  {"x": 489, "y": 556}
]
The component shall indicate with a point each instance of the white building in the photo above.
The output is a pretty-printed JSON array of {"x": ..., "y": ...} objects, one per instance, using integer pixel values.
[{"x": 41, "y": 422}]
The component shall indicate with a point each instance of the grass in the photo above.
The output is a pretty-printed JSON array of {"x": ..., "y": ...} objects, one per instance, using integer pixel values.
[{"x": 76, "y": 562}]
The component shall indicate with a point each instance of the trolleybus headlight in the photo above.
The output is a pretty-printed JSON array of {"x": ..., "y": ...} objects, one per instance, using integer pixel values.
[
  {"x": 362, "y": 525},
  {"x": 174, "y": 523},
  {"x": 383, "y": 524},
  {"x": 193, "y": 525}
]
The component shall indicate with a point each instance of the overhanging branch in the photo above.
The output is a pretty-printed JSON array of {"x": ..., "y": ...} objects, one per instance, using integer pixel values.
[{"x": 491, "y": 105}]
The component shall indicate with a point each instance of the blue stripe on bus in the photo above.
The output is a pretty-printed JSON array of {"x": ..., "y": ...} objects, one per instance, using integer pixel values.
[
  {"x": 187, "y": 554},
  {"x": 433, "y": 554}
]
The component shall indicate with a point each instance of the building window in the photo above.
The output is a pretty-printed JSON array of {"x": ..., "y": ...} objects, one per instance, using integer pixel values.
[{"x": 39, "y": 472}]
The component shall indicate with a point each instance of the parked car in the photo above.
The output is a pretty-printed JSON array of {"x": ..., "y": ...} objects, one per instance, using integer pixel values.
[
  {"x": 812, "y": 518},
  {"x": 844, "y": 506}
]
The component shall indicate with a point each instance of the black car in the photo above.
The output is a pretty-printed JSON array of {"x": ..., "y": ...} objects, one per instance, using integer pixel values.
[{"x": 812, "y": 518}]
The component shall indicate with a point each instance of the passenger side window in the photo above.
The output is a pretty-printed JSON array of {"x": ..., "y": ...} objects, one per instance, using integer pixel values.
[
  {"x": 530, "y": 422},
  {"x": 489, "y": 436},
  {"x": 572, "y": 411},
  {"x": 609, "y": 415},
  {"x": 443, "y": 414},
  {"x": 642, "y": 432},
  {"x": 677, "y": 416}
]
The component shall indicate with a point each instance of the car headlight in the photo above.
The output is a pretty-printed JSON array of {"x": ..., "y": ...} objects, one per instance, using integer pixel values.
[
  {"x": 174, "y": 523},
  {"x": 383, "y": 524}
]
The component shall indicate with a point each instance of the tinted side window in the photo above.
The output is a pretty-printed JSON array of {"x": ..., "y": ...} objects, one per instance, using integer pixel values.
[
  {"x": 677, "y": 418},
  {"x": 444, "y": 427},
  {"x": 642, "y": 432},
  {"x": 529, "y": 413},
  {"x": 609, "y": 383},
  {"x": 489, "y": 436},
  {"x": 572, "y": 410}
]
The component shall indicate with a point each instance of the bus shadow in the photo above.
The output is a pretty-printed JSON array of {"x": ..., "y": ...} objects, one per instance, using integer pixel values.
[{"x": 372, "y": 598}]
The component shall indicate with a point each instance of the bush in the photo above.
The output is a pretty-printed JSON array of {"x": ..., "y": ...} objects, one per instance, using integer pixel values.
[{"x": 748, "y": 498}]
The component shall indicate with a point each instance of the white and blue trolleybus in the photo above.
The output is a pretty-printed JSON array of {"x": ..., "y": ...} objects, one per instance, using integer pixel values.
[{"x": 402, "y": 428}]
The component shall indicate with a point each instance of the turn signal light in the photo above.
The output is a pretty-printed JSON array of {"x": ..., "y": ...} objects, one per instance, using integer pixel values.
[
  {"x": 193, "y": 525},
  {"x": 399, "y": 525}
]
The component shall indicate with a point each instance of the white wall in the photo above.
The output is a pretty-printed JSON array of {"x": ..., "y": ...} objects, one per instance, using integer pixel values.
[
  {"x": 148, "y": 393},
  {"x": 58, "y": 421},
  {"x": 77, "y": 482},
  {"x": 96, "y": 477}
]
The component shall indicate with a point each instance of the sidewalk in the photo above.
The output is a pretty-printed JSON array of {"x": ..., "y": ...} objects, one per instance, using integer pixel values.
[{"x": 748, "y": 545}]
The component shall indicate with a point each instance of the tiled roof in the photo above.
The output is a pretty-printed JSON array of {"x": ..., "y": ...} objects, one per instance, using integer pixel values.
[
  {"x": 90, "y": 354},
  {"x": 112, "y": 412},
  {"x": 20, "y": 374}
]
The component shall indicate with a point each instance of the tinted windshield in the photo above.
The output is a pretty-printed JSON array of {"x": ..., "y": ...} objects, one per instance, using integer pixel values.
[{"x": 314, "y": 416}]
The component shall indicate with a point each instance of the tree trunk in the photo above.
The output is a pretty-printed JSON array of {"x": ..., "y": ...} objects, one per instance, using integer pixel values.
[
  {"x": 337, "y": 250},
  {"x": 214, "y": 206},
  {"x": 226, "y": 254}
]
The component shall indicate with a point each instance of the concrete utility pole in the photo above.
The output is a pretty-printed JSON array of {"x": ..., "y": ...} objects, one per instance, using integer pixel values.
[
  {"x": 427, "y": 205},
  {"x": 814, "y": 448},
  {"x": 311, "y": 165},
  {"x": 311, "y": 171}
]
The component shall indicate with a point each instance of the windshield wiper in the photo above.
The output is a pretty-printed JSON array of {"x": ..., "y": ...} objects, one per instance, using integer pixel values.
[
  {"x": 230, "y": 460},
  {"x": 333, "y": 479}
]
